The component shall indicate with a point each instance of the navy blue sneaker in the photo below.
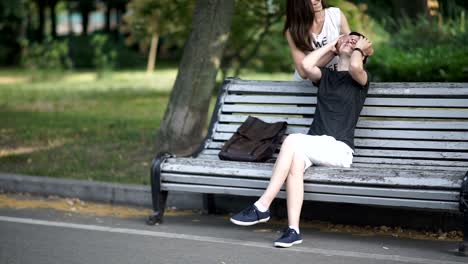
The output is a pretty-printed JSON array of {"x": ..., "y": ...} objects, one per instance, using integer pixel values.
[
  {"x": 290, "y": 237},
  {"x": 250, "y": 216}
]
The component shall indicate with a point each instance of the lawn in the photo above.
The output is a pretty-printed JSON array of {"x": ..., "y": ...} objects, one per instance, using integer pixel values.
[{"x": 75, "y": 126}]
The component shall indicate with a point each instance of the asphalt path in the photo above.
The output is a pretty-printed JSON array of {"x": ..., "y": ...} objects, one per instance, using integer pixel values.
[{"x": 46, "y": 236}]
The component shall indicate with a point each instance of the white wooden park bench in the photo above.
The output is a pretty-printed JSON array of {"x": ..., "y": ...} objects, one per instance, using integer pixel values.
[{"x": 411, "y": 147}]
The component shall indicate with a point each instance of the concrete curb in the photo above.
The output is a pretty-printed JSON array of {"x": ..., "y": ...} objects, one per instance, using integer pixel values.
[{"x": 130, "y": 194}]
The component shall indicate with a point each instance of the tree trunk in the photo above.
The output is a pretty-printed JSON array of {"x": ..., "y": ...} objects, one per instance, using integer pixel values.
[
  {"x": 107, "y": 27},
  {"x": 185, "y": 119},
  {"x": 70, "y": 18},
  {"x": 449, "y": 8},
  {"x": 53, "y": 18},
  {"x": 410, "y": 8},
  {"x": 41, "y": 9},
  {"x": 152, "y": 53},
  {"x": 85, "y": 17}
]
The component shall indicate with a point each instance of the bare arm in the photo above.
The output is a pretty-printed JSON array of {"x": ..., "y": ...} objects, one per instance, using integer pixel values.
[
  {"x": 298, "y": 55},
  {"x": 344, "y": 28},
  {"x": 311, "y": 62},
  {"x": 356, "y": 68}
]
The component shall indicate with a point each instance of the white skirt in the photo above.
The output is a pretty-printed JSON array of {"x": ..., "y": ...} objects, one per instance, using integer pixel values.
[{"x": 322, "y": 151}]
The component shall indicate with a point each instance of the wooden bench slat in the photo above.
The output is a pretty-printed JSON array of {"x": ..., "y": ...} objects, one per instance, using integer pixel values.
[
  {"x": 316, "y": 188},
  {"x": 414, "y": 124},
  {"x": 389, "y": 143},
  {"x": 430, "y": 164},
  {"x": 411, "y": 144},
  {"x": 410, "y": 203},
  {"x": 410, "y": 154},
  {"x": 213, "y": 148},
  {"x": 362, "y": 123},
  {"x": 366, "y": 111},
  {"x": 364, "y": 176},
  {"x": 373, "y": 133},
  {"x": 405, "y": 167},
  {"x": 395, "y": 154},
  {"x": 262, "y": 99},
  {"x": 397, "y": 89},
  {"x": 307, "y": 100},
  {"x": 241, "y": 118}
]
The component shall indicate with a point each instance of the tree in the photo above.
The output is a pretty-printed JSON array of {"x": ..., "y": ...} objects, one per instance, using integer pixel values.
[
  {"x": 85, "y": 7},
  {"x": 184, "y": 121},
  {"x": 452, "y": 8},
  {"x": 12, "y": 30},
  {"x": 119, "y": 6},
  {"x": 41, "y": 7},
  {"x": 53, "y": 16},
  {"x": 254, "y": 22},
  {"x": 148, "y": 19},
  {"x": 71, "y": 6}
]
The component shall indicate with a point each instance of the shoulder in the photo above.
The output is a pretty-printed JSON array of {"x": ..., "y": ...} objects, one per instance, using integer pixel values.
[
  {"x": 334, "y": 15},
  {"x": 334, "y": 11}
]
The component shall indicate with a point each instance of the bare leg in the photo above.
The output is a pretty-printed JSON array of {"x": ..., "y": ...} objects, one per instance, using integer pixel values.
[
  {"x": 295, "y": 190},
  {"x": 280, "y": 170}
]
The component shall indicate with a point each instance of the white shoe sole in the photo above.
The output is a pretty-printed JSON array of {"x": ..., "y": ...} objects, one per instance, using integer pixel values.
[
  {"x": 249, "y": 223},
  {"x": 286, "y": 245}
]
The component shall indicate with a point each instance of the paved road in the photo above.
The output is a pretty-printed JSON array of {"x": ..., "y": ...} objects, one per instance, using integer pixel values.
[{"x": 46, "y": 236}]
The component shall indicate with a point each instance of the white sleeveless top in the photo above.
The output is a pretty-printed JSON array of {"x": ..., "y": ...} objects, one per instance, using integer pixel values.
[{"x": 330, "y": 31}]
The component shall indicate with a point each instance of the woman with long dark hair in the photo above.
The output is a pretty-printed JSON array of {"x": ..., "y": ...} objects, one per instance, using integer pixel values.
[{"x": 311, "y": 24}]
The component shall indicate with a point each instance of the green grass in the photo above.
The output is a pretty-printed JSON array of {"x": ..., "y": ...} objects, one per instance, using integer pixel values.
[
  {"x": 76, "y": 126},
  {"x": 82, "y": 128}
]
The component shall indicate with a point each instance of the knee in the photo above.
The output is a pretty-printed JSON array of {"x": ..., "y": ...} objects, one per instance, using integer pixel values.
[
  {"x": 297, "y": 168},
  {"x": 290, "y": 141}
]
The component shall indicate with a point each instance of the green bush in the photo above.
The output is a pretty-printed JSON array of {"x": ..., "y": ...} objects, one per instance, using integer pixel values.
[
  {"x": 104, "y": 59},
  {"x": 11, "y": 19},
  {"x": 82, "y": 52},
  {"x": 423, "y": 51},
  {"x": 46, "y": 58}
]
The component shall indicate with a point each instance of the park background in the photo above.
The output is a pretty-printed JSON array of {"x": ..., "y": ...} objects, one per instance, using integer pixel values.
[{"x": 84, "y": 85}]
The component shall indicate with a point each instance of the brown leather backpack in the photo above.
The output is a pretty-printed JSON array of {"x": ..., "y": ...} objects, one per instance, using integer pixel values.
[{"x": 254, "y": 140}]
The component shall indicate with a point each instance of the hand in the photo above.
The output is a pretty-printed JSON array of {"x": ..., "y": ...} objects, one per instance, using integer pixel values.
[
  {"x": 335, "y": 44},
  {"x": 365, "y": 45}
]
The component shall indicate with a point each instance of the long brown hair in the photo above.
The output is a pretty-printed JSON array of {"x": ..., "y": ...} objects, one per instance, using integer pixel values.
[{"x": 299, "y": 18}]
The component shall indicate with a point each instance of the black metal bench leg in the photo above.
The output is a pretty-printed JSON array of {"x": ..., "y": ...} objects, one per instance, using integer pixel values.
[
  {"x": 159, "y": 197},
  {"x": 463, "y": 248},
  {"x": 209, "y": 206}
]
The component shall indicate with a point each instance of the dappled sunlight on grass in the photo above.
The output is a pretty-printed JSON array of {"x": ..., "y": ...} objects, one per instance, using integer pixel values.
[
  {"x": 19, "y": 150},
  {"x": 12, "y": 79},
  {"x": 82, "y": 81}
]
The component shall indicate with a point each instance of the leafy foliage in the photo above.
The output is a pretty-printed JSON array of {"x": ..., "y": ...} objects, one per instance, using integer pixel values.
[
  {"x": 424, "y": 51},
  {"x": 82, "y": 52},
  {"x": 104, "y": 59},
  {"x": 11, "y": 18},
  {"x": 257, "y": 41},
  {"x": 162, "y": 17},
  {"x": 51, "y": 56}
]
